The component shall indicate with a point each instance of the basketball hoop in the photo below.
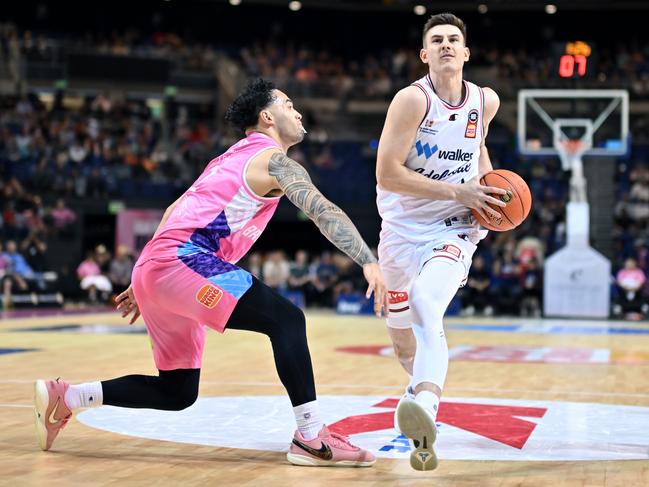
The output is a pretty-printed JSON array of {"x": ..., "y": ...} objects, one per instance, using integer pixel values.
[
  {"x": 571, "y": 151},
  {"x": 572, "y": 146}
]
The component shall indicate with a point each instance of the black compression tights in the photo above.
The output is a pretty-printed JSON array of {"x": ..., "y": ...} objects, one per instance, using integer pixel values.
[{"x": 260, "y": 309}]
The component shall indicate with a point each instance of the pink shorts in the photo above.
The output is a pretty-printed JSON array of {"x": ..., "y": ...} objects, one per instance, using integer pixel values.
[{"x": 177, "y": 304}]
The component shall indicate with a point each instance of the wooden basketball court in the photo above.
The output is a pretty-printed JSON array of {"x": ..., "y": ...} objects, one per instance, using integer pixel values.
[{"x": 567, "y": 363}]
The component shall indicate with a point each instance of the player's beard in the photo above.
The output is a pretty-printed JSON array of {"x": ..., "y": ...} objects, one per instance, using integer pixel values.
[
  {"x": 293, "y": 134},
  {"x": 301, "y": 134}
]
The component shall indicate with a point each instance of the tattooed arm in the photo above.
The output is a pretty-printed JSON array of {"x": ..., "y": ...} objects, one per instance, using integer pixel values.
[
  {"x": 334, "y": 224},
  {"x": 296, "y": 184}
]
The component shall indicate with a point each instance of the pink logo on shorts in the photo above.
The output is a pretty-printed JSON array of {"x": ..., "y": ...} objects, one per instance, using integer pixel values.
[
  {"x": 209, "y": 296},
  {"x": 448, "y": 249},
  {"x": 397, "y": 297}
]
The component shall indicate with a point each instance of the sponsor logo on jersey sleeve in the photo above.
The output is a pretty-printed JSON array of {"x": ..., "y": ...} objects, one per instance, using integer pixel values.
[
  {"x": 209, "y": 296},
  {"x": 471, "y": 124}
]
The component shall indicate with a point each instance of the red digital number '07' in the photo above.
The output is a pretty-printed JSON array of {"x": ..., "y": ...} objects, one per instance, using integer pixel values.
[{"x": 567, "y": 65}]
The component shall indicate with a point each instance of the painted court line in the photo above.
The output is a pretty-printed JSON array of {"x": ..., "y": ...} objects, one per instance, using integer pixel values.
[{"x": 397, "y": 387}]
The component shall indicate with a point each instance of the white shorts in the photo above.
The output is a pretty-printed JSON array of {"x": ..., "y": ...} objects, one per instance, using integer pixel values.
[
  {"x": 402, "y": 261},
  {"x": 100, "y": 282}
]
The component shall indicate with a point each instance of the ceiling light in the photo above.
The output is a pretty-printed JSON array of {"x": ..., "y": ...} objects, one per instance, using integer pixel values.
[{"x": 419, "y": 10}]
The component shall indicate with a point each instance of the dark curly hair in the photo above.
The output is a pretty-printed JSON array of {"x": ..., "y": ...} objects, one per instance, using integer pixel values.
[{"x": 244, "y": 111}]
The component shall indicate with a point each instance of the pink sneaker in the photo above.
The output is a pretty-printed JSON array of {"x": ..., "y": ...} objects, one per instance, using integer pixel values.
[
  {"x": 51, "y": 414},
  {"x": 327, "y": 450}
]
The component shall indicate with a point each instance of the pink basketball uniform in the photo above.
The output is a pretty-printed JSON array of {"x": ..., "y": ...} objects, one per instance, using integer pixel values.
[{"x": 186, "y": 277}]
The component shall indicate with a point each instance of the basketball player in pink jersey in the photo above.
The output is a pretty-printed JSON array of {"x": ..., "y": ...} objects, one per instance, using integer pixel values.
[
  {"x": 431, "y": 153},
  {"x": 186, "y": 280}
]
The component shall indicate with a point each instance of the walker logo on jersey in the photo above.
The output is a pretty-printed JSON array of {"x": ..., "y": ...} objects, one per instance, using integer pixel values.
[
  {"x": 471, "y": 428},
  {"x": 471, "y": 124},
  {"x": 209, "y": 296},
  {"x": 448, "y": 155},
  {"x": 445, "y": 173},
  {"x": 456, "y": 155},
  {"x": 425, "y": 149}
]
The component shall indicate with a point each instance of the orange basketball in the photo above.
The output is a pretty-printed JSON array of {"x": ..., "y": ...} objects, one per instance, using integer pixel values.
[{"x": 518, "y": 199}]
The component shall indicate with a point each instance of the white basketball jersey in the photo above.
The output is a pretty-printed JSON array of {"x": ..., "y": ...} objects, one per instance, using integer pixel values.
[{"x": 447, "y": 148}]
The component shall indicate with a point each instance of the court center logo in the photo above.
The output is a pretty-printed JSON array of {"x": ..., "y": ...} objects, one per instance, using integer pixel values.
[{"x": 470, "y": 428}]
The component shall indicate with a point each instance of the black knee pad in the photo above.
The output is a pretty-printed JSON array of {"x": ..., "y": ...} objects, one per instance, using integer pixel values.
[
  {"x": 290, "y": 329},
  {"x": 181, "y": 387},
  {"x": 183, "y": 400},
  {"x": 295, "y": 319}
]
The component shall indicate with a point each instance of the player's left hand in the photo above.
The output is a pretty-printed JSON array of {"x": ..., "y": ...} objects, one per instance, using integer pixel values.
[
  {"x": 376, "y": 282},
  {"x": 126, "y": 304}
]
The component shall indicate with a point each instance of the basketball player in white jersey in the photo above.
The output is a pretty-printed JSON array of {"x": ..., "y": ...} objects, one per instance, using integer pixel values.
[{"x": 431, "y": 153}]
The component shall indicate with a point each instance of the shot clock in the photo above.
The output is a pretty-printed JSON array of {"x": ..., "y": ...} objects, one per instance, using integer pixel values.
[{"x": 574, "y": 59}]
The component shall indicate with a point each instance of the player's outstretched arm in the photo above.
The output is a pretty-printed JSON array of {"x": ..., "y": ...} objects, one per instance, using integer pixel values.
[{"x": 334, "y": 224}]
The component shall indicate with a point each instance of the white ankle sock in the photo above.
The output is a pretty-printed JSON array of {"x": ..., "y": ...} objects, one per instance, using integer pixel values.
[
  {"x": 429, "y": 400},
  {"x": 86, "y": 395},
  {"x": 307, "y": 417}
]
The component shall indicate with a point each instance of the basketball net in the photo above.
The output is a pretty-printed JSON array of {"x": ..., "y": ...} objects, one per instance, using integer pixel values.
[{"x": 571, "y": 152}]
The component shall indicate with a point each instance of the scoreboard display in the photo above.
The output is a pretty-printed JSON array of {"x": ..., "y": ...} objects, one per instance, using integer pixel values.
[{"x": 574, "y": 59}]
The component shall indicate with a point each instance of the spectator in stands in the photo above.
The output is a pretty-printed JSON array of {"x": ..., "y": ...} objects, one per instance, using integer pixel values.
[
  {"x": 528, "y": 248},
  {"x": 631, "y": 302},
  {"x": 639, "y": 194},
  {"x": 532, "y": 289},
  {"x": 276, "y": 270},
  {"x": 326, "y": 275},
  {"x": 349, "y": 280},
  {"x": 5, "y": 263},
  {"x": 506, "y": 283},
  {"x": 103, "y": 258},
  {"x": 254, "y": 265},
  {"x": 92, "y": 280},
  {"x": 300, "y": 278},
  {"x": 17, "y": 273},
  {"x": 476, "y": 295},
  {"x": 5, "y": 278},
  {"x": 63, "y": 217},
  {"x": 34, "y": 247},
  {"x": 18, "y": 263},
  {"x": 121, "y": 268}
]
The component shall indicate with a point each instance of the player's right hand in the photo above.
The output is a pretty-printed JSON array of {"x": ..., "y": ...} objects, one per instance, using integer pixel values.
[
  {"x": 472, "y": 194},
  {"x": 376, "y": 282},
  {"x": 126, "y": 304}
]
